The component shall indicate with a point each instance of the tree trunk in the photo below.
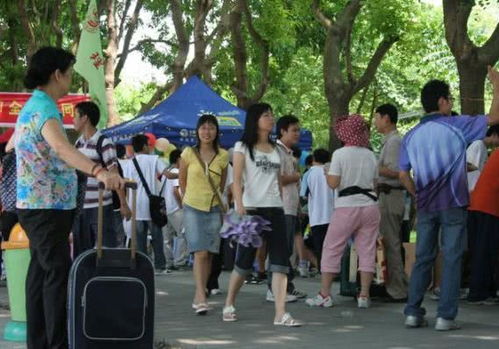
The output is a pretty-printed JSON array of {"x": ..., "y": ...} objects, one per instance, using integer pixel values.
[
  {"x": 471, "y": 60},
  {"x": 341, "y": 86},
  {"x": 339, "y": 106},
  {"x": 472, "y": 87},
  {"x": 111, "y": 52}
]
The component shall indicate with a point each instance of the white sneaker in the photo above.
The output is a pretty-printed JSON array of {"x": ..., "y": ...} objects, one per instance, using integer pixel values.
[
  {"x": 215, "y": 291},
  {"x": 303, "y": 271},
  {"x": 446, "y": 325},
  {"x": 289, "y": 297},
  {"x": 363, "y": 302},
  {"x": 319, "y": 301}
]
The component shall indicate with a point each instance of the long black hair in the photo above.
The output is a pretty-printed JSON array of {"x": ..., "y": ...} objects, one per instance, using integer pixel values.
[
  {"x": 44, "y": 62},
  {"x": 250, "y": 135},
  {"x": 208, "y": 119}
]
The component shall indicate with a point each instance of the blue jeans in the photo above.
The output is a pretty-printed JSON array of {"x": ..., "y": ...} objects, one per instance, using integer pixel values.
[
  {"x": 452, "y": 223},
  {"x": 156, "y": 242}
]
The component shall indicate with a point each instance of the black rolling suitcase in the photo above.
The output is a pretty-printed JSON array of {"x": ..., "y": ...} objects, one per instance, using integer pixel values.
[{"x": 111, "y": 295}]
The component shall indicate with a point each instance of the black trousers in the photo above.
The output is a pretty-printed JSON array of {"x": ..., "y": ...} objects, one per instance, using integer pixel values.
[
  {"x": 216, "y": 267},
  {"x": 85, "y": 230},
  {"x": 483, "y": 236},
  {"x": 318, "y": 236},
  {"x": 46, "y": 283}
]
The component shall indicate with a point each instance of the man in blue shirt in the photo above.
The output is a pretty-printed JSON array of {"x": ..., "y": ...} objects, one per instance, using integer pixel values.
[{"x": 435, "y": 150}]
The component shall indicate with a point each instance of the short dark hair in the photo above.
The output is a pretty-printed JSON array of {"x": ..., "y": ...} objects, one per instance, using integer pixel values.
[
  {"x": 431, "y": 93},
  {"x": 390, "y": 110},
  {"x": 120, "y": 151},
  {"x": 139, "y": 142},
  {"x": 309, "y": 160},
  {"x": 321, "y": 155},
  {"x": 44, "y": 62},
  {"x": 284, "y": 122},
  {"x": 174, "y": 156},
  {"x": 91, "y": 110},
  {"x": 493, "y": 130}
]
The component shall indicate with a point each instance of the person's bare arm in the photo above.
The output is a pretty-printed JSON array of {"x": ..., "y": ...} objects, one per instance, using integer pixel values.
[
  {"x": 494, "y": 107},
  {"x": 170, "y": 175},
  {"x": 407, "y": 182},
  {"x": 178, "y": 197},
  {"x": 11, "y": 143},
  {"x": 290, "y": 178},
  {"x": 386, "y": 172},
  {"x": 182, "y": 176},
  {"x": 124, "y": 208},
  {"x": 333, "y": 181},
  {"x": 237, "y": 184}
]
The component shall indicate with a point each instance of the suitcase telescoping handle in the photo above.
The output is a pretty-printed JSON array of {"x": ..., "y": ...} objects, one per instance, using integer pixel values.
[{"x": 100, "y": 217}]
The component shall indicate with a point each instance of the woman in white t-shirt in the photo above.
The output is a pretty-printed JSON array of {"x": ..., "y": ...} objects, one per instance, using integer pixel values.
[
  {"x": 256, "y": 167},
  {"x": 352, "y": 173}
]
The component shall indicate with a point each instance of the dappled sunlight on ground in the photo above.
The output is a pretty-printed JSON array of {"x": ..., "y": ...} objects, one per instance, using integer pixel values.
[
  {"x": 483, "y": 338},
  {"x": 206, "y": 341}
]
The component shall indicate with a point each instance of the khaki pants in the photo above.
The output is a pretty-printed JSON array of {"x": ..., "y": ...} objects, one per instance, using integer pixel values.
[{"x": 392, "y": 213}]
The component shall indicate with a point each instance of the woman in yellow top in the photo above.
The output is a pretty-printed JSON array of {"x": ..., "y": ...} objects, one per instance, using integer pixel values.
[{"x": 202, "y": 209}]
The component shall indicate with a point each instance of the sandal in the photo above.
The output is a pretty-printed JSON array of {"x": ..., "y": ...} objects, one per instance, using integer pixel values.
[
  {"x": 229, "y": 314},
  {"x": 288, "y": 321},
  {"x": 200, "y": 309}
]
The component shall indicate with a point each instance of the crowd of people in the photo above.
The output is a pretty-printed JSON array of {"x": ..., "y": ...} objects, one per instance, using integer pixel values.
[{"x": 348, "y": 197}]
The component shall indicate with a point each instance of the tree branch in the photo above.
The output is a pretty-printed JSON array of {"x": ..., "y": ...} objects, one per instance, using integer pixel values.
[
  {"x": 158, "y": 95},
  {"x": 348, "y": 55},
  {"x": 123, "y": 19},
  {"x": 489, "y": 52},
  {"x": 216, "y": 38},
  {"x": 197, "y": 65},
  {"x": 130, "y": 30},
  {"x": 240, "y": 85},
  {"x": 145, "y": 41},
  {"x": 320, "y": 16},
  {"x": 183, "y": 44},
  {"x": 264, "y": 57},
  {"x": 28, "y": 30},
  {"x": 456, "y": 14},
  {"x": 374, "y": 63},
  {"x": 55, "y": 27},
  {"x": 75, "y": 23}
]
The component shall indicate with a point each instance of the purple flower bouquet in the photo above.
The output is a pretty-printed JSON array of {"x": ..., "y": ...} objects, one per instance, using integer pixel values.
[{"x": 244, "y": 230}]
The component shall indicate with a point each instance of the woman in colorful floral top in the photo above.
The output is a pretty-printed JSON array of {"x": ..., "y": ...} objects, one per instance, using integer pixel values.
[{"x": 46, "y": 194}]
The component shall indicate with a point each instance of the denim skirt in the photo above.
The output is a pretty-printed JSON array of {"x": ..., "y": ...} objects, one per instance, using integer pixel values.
[{"x": 202, "y": 229}]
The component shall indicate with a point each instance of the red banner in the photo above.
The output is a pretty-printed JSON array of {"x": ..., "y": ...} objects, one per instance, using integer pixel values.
[{"x": 11, "y": 104}]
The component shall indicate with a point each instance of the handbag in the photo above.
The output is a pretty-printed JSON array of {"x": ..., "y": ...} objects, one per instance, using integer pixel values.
[
  {"x": 157, "y": 204},
  {"x": 8, "y": 194},
  {"x": 214, "y": 188}
]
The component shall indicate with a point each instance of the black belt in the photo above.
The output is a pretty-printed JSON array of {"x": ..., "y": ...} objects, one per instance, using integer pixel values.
[
  {"x": 353, "y": 190},
  {"x": 387, "y": 188}
]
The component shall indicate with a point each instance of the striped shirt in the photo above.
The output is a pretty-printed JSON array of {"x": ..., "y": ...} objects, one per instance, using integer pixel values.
[{"x": 88, "y": 147}]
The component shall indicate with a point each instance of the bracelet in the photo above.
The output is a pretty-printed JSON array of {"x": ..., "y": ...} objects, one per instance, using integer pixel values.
[
  {"x": 93, "y": 168},
  {"x": 99, "y": 171}
]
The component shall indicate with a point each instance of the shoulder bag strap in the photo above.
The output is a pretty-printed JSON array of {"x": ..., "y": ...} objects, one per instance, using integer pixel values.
[
  {"x": 210, "y": 180},
  {"x": 142, "y": 179}
]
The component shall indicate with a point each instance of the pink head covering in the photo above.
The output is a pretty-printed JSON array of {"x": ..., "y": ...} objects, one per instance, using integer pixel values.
[{"x": 352, "y": 130}]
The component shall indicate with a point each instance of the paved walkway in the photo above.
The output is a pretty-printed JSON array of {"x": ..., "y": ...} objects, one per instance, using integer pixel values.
[{"x": 343, "y": 326}]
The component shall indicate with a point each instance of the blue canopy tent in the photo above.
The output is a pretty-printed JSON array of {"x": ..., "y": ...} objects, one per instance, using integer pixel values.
[{"x": 175, "y": 118}]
